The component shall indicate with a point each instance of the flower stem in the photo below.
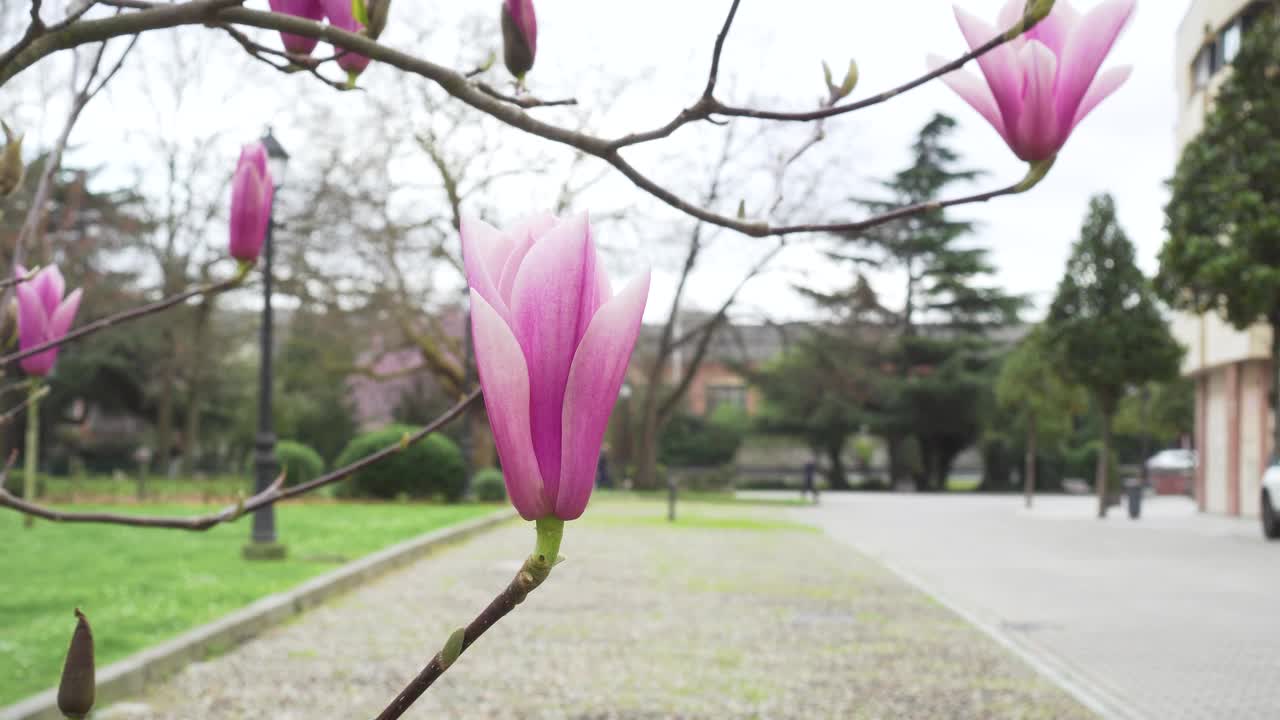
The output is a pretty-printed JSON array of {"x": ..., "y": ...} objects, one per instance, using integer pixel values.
[
  {"x": 547, "y": 549},
  {"x": 33, "y": 447}
]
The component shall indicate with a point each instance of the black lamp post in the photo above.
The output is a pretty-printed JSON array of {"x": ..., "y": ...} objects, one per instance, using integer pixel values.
[{"x": 263, "y": 543}]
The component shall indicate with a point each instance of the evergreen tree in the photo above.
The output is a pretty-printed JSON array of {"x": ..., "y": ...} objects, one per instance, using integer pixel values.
[
  {"x": 942, "y": 359},
  {"x": 1223, "y": 217},
  {"x": 1104, "y": 328},
  {"x": 1041, "y": 401}
]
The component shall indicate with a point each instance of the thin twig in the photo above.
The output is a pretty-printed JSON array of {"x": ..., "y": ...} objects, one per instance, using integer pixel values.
[
  {"x": 273, "y": 494},
  {"x": 12, "y": 412},
  {"x": 159, "y": 16},
  {"x": 526, "y": 581},
  {"x": 523, "y": 101},
  {"x": 124, "y": 316}
]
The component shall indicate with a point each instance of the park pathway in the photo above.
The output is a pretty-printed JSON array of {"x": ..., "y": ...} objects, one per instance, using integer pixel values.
[
  {"x": 1169, "y": 617},
  {"x": 735, "y": 612}
]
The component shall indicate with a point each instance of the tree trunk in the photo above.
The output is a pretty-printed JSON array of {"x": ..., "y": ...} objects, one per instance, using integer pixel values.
[
  {"x": 836, "y": 477},
  {"x": 1029, "y": 472},
  {"x": 1103, "y": 475},
  {"x": 894, "y": 452},
  {"x": 646, "y": 450},
  {"x": 482, "y": 453},
  {"x": 191, "y": 427},
  {"x": 164, "y": 409}
]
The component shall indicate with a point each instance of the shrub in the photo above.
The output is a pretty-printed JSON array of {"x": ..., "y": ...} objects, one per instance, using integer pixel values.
[
  {"x": 689, "y": 441},
  {"x": 300, "y": 462},
  {"x": 489, "y": 486},
  {"x": 431, "y": 467}
]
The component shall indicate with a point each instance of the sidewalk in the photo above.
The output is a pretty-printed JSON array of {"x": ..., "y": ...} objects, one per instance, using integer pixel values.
[{"x": 736, "y": 612}]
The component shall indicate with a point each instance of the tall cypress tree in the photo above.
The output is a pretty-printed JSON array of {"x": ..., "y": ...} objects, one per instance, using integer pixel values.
[
  {"x": 1104, "y": 327},
  {"x": 941, "y": 358}
]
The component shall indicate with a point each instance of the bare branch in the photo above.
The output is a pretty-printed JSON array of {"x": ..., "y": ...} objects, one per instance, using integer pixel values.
[
  {"x": 159, "y": 16},
  {"x": 523, "y": 101},
  {"x": 271, "y": 495},
  {"x": 126, "y": 316}
]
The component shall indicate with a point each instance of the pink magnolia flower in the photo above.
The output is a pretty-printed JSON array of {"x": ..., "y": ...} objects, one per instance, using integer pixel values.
[
  {"x": 340, "y": 16},
  {"x": 43, "y": 316},
  {"x": 1040, "y": 85},
  {"x": 519, "y": 36},
  {"x": 251, "y": 194},
  {"x": 309, "y": 9},
  {"x": 552, "y": 343}
]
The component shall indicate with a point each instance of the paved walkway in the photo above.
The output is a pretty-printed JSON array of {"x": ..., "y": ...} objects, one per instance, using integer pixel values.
[
  {"x": 1173, "y": 616},
  {"x": 734, "y": 613}
]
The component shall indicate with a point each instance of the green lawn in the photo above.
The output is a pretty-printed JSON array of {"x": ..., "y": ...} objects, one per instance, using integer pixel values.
[{"x": 139, "y": 586}]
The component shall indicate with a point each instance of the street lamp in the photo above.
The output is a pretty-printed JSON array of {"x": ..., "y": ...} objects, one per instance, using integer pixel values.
[{"x": 263, "y": 544}]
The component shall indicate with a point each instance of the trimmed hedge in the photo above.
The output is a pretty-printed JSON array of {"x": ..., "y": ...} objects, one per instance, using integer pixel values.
[
  {"x": 301, "y": 462},
  {"x": 432, "y": 467},
  {"x": 489, "y": 485}
]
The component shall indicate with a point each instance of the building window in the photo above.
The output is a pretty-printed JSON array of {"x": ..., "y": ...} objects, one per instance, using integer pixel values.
[
  {"x": 733, "y": 395},
  {"x": 1229, "y": 41},
  {"x": 1205, "y": 65}
]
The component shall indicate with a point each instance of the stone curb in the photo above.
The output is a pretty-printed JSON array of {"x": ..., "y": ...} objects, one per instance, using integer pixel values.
[{"x": 129, "y": 677}]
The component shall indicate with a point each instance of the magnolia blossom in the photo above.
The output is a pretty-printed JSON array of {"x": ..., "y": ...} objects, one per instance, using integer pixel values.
[
  {"x": 1040, "y": 85},
  {"x": 519, "y": 36},
  {"x": 340, "y": 16},
  {"x": 552, "y": 343},
  {"x": 309, "y": 9},
  {"x": 43, "y": 316},
  {"x": 251, "y": 194}
]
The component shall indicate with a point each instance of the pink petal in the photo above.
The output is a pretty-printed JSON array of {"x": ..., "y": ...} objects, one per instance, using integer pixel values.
[
  {"x": 599, "y": 367},
  {"x": 546, "y": 302},
  {"x": 340, "y": 16},
  {"x": 33, "y": 324},
  {"x": 1103, "y": 85},
  {"x": 522, "y": 12},
  {"x": 973, "y": 91},
  {"x": 1010, "y": 13},
  {"x": 999, "y": 66},
  {"x": 504, "y": 377},
  {"x": 1054, "y": 30},
  {"x": 523, "y": 244},
  {"x": 1090, "y": 41},
  {"x": 1036, "y": 136},
  {"x": 50, "y": 285},
  {"x": 248, "y": 215},
  {"x": 60, "y": 321},
  {"x": 308, "y": 9},
  {"x": 484, "y": 251},
  {"x": 20, "y": 271}
]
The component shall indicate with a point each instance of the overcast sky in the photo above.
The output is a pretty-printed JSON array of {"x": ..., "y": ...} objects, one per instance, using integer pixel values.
[{"x": 773, "y": 58}]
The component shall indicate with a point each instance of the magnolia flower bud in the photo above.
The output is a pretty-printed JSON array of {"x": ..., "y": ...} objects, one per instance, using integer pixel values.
[
  {"x": 75, "y": 692},
  {"x": 519, "y": 36},
  {"x": 378, "y": 12},
  {"x": 12, "y": 171}
]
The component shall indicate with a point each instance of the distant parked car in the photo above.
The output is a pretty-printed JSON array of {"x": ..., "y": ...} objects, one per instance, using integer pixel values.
[
  {"x": 1170, "y": 471},
  {"x": 1270, "y": 496}
]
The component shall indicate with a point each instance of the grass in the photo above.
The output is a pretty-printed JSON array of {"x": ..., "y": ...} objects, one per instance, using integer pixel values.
[
  {"x": 124, "y": 488},
  {"x": 139, "y": 586}
]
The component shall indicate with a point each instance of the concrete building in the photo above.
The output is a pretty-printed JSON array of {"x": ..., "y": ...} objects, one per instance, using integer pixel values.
[{"x": 1232, "y": 369}]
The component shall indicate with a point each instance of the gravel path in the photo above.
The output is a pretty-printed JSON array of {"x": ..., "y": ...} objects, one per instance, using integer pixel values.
[{"x": 735, "y": 613}]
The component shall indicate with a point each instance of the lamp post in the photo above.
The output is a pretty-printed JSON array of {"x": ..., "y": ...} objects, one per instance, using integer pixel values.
[{"x": 263, "y": 543}]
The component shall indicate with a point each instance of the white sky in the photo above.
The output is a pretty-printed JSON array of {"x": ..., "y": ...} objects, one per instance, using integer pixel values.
[{"x": 661, "y": 49}]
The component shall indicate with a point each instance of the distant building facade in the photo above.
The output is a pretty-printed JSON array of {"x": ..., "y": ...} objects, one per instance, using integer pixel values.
[{"x": 1231, "y": 368}]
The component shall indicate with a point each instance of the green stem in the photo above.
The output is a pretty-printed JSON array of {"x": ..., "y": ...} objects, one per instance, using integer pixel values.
[
  {"x": 550, "y": 531},
  {"x": 1035, "y": 173},
  {"x": 33, "y": 446}
]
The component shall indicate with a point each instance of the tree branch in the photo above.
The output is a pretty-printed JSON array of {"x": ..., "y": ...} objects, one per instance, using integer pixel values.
[
  {"x": 271, "y": 495},
  {"x": 158, "y": 16},
  {"x": 125, "y": 316},
  {"x": 530, "y": 576}
]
